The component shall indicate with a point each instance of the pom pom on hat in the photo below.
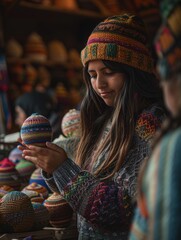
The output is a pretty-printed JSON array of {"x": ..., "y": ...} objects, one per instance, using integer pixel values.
[
  {"x": 36, "y": 130},
  {"x": 71, "y": 123},
  {"x": 122, "y": 39}
]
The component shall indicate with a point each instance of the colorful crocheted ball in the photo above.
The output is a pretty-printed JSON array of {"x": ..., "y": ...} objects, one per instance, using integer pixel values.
[
  {"x": 42, "y": 216},
  {"x": 71, "y": 123},
  {"x": 17, "y": 213},
  {"x": 37, "y": 177},
  {"x": 60, "y": 211},
  {"x": 36, "y": 130},
  {"x": 41, "y": 190},
  {"x": 9, "y": 175}
]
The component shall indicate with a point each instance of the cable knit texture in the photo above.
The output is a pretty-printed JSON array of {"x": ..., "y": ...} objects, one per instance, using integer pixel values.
[{"x": 105, "y": 208}]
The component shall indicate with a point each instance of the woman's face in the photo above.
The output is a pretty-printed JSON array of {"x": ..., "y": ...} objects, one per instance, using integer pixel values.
[
  {"x": 20, "y": 116},
  {"x": 105, "y": 82},
  {"x": 171, "y": 92}
]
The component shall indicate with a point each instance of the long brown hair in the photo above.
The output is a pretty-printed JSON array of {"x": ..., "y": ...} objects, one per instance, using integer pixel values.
[{"x": 95, "y": 114}]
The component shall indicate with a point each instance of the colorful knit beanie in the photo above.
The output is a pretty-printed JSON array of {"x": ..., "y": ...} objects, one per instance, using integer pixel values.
[
  {"x": 122, "y": 39},
  {"x": 168, "y": 45},
  {"x": 36, "y": 130}
]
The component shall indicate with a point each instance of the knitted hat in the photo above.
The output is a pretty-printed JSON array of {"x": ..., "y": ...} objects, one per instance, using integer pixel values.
[
  {"x": 5, "y": 189},
  {"x": 60, "y": 211},
  {"x": 41, "y": 190},
  {"x": 17, "y": 214},
  {"x": 122, "y": 39},
  {"x": 33, "y": 195},
  {"x": 71, "y": 123},
  {"x": 42, "y": 216},
  {"x": 168, "y": 45},
  {"x": 36, "y": 130},
  {"x": 36, "y": 177},
  {"x": 9, "y": 175}
]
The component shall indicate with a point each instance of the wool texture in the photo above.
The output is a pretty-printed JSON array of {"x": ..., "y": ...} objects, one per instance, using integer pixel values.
[
  {"x": 168, "y": 44},
  {"x": 121, "y": 39},
  {"x": 36, "y": 130}
]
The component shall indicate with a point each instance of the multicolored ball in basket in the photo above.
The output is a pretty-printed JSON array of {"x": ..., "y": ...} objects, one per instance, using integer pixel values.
[
  {"x": 71, "y": 123},
  {"x": 36, "y": 130}
]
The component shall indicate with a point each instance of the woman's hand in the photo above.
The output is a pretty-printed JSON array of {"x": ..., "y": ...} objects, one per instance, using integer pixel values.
[{"x": 48, "y": 158}]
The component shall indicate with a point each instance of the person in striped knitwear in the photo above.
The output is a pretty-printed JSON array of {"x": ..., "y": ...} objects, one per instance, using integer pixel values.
[
  {"x": 120, "y": 114},
  {"x": 157, "y": 216}
]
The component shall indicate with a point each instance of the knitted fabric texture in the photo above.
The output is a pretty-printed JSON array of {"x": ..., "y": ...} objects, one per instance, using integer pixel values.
[
  {"x": 36, "y": 130},
  {"x": 60, "y": 211},
  {"x": 17, "y": 214},
  {"x": 168, "y": 45},
  {"x": 106, "y": 208},
  {"x": 71, "y": 123},
  {"x": 42, "y": 216},
  {"x": 121, "y": 39}
]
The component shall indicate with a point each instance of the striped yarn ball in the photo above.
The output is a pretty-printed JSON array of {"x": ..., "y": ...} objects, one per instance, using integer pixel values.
[
  {"x": 41, "y": 190},
  {"x": 25, "y": 169},
  {"x": 42, "y": 216},
  {"x": 71, "y": 123},
  {"x": 37, "y": 177},
  {"x": 17, "y": 213},
  {"x": 36, "y": 130},
  {"x": 9, "y": 175},
  {"x": 60, "y": 211}
]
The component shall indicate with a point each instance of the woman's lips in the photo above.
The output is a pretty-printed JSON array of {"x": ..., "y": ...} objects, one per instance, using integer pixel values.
[{"x": 105, "y": 94}]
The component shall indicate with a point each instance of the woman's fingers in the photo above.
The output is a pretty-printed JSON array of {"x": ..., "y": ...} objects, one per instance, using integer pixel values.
[{"x": 54, "y": 147}]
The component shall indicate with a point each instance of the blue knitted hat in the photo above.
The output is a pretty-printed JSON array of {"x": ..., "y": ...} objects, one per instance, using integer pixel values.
[{"x": 36, "y": 130}]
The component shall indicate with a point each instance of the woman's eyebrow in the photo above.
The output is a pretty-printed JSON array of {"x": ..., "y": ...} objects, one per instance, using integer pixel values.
[{"x": 101, "y": 69}]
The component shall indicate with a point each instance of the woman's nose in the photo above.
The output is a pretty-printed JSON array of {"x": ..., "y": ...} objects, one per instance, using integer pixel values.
[{"x": 101, "y": 83}]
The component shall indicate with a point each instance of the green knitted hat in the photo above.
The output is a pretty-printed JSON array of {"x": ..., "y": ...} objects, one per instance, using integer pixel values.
[{"x": 122, "y": 39}]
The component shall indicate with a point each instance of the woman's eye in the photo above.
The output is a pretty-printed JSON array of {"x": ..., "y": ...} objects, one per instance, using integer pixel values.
[{"x": 92, "y": 76}]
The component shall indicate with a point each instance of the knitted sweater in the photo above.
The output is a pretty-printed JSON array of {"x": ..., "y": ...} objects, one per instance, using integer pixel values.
[
  {"x": 105, "y": 208},
  {"x": 158, "y": 215}
]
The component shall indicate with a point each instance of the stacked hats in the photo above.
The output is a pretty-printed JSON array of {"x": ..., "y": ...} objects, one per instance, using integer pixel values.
[
  {"x": 168, "y": 42},
  {"x": 25, "y": 169},
  {"x": 120, "y": 39},
  {"x": 37, "y": 178},
  {"x": 60, "y": 211},
  {"x": 41, "y": 190},
  {"x": 33, "y": 195},
  {"x": 17, "y": 214},
  {"x": 35, "y": 48},
  {"x": 36, "y": 130},
  {"x": 9, "y": 175},
  {"x": 71, "y": 123},
  {"x": 41, "y": 216}
]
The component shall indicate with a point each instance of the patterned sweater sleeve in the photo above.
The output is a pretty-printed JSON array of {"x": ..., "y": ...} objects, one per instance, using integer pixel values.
[{"x": 107, "y": 205}]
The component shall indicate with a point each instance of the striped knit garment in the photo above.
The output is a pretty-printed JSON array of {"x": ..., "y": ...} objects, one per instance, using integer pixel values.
[
  {"x": 157, "y": 216},
  {"x": 105, "y": 208}
]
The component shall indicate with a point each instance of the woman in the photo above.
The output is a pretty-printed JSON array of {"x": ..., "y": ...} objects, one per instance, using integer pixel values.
[
  {"x": 120, "y": 114},
  {"x": 159, "y": 200}
]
